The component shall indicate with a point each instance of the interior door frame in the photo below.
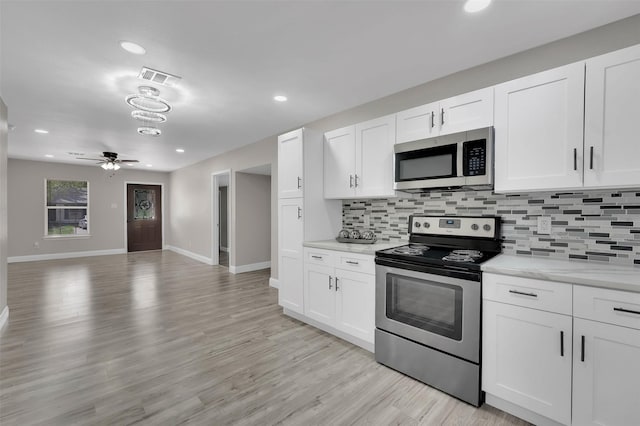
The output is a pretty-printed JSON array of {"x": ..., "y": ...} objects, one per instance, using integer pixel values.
[
  {"x": 126, "y": 213},
  {"x": 215, "y": 216}
]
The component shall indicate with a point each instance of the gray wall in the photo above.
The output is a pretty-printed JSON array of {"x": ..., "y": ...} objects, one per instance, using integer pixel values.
[
  {"x": 253, "y": 214},
  {"x": 224, "y": 219},
  {"x": 190, "y": 199},
  {"x": 107, "y": 224},
  {"x": 4, "y": 142}
]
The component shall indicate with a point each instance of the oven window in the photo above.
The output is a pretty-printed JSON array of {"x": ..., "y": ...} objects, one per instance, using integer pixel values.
[
  {"x": 430, "y": 163},
  {"x": 428, "y": 305}
]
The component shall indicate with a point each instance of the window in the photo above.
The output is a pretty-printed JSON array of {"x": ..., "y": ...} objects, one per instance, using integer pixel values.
[{"x": 67, "y": 208}]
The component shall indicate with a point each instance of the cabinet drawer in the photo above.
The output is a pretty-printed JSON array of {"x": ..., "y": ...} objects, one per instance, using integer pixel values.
[
  {"x": 318, "y": 257},
  {"x": 610, "y": 306},
  {"x": 355, "y": 262},
  {"x": 531, "y": 293}
]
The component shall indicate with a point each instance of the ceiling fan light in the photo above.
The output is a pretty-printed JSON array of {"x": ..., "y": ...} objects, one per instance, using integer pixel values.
[
  {"x": 104, "y": 166},
  {"x": 116, "y": 166}
]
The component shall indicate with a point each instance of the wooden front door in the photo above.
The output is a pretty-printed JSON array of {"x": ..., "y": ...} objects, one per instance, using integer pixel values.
[{"x": 144, "y": 217}]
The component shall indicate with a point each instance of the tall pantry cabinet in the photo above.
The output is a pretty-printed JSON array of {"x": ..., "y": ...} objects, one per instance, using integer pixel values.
[{"x": 303, "y": 213}]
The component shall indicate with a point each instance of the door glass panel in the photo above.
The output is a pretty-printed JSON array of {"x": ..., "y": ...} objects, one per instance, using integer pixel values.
[
  {"x": 428, "y": 305},
  {"x": 145, "y": 204}
]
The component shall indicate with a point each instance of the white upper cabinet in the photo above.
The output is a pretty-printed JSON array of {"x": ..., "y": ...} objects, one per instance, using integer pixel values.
[
  {"x": 612, "y": 109},
  {"x": 290, "y": 165},
  {"x": 539, "y": 131},
  {"x": 468, "y": 111},
  {"x": 358, "y": 160},
  {"x": 374, "y": 157},
  {"x": 340, "y": 163}
]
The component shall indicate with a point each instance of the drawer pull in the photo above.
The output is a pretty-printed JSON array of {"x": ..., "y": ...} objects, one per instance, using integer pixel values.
[
  {"x": 562, "y": 343},
  {"x": 330, "y": 279},
  {"x": 628, "y": 311},
  {"x": 582, "y": 349},
  {"x": 316, "y": 257},
  {"x": 351, "y": 262},
  {"x": 521, "y": 293},
  {"x": 336, "y": 283}
]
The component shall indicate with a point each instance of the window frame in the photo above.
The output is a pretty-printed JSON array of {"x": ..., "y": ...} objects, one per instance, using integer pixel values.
[{"x": 47, "y": 208}]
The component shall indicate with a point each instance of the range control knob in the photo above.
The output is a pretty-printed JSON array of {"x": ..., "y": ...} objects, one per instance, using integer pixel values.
[
  {"x": 475, "y": 227},
  {"x": 487, "y": 227},
  {"x": 417, "y": 225},
  {"x": 426, "y": 224}
]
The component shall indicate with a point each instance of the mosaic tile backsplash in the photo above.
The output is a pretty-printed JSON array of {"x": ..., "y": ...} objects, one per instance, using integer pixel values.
[{"x": 591, "y": 225}]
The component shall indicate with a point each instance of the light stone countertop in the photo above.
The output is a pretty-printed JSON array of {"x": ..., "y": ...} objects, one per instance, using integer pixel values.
[
  {"x": 611, "y": 276},
  {"x": 351, "y": 247}
]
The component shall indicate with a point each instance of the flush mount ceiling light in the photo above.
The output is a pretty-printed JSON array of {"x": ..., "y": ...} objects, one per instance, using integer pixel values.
[
  {"x": 148, "y": 100},
  {"x": 149, "y": 117},
  {"x": 149, "y": 131},
  {"x": 280, "y": 98},
  {"x": 472, "y": 6},
  {"x": 132, "y": 47},
  {"x": 180, "y": 150},
  {"x": 41, "y": 131}
]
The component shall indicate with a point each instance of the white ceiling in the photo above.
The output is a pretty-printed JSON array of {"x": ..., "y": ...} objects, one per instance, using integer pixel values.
[{"x": 63, "y": 70}]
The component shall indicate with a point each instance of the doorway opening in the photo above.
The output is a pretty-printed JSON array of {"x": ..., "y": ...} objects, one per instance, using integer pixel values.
[
  {"x": 144, "y": 217},
  {"x": 221, "y": 209}
]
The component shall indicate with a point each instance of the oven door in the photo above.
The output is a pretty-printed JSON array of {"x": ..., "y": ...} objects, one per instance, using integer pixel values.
[{"x": 437, "y": 311}]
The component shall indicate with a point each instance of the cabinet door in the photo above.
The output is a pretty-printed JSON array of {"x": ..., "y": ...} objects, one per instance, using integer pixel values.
[
  {"x": 290, "y": 238},
  {"x": 374, "y": 157},
  {"x": 468, "y": 111},
  {"x": 319, "y": 293},
  {"x": 355, "y": 304},
  {"x": 417, "y": 123},
  {"x": 612, "y": 109},
  {"x": 527, "y": 358},
  {"x": 605, "y": 383},
  {"x": 340, "y": 163},
  {"x": 290, "y": 165},
  {"x": 538, "y": 131}
]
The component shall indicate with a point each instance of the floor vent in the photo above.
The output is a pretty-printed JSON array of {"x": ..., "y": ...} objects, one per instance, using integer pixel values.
[{"x": 159, "y": 77}]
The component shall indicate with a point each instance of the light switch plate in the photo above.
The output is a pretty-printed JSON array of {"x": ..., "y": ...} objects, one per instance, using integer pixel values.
[{"x": 544, "y": 225}]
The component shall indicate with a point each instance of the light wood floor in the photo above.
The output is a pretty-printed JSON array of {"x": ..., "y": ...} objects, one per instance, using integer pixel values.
[{"x": 157, "y": 338}]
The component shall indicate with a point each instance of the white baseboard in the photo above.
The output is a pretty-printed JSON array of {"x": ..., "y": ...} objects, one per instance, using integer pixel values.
[
  {"x": 224, "y": 249},
  {"x": 317, "y": 324},
  {"x": 248, "y": 268},
  {"x": 273, "y": 282},
  {"x": 192, "y": 255},
  {"x": 4, "y": 317},
  {"x": 67, "y": 255}
]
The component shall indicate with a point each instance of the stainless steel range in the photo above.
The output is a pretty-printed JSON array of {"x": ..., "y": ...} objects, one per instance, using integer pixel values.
[{"x": 428, "y": 301}]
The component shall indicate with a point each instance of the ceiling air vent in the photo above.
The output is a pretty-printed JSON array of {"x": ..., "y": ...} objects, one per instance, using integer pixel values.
[{"x": 159, "y": 77}]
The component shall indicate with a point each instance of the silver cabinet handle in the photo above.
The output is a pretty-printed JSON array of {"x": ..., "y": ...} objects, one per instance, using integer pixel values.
[
  {"x": 562, "y": 343},
  {"x": 575, "y": 158},
  {"x": 433, "y": 119},
  {"x": 356, "y": 181},
  {"x": 350, "y": 181},
  {"x": 442, "y": 116},
  {"x": 628, "y": 311},
  {"x": 523, "y": 293},
  {"x": 591, "y": 158},
  {"x": 336, "y": 283},
  {"x": 316, "y": 257},
  {"x": 299, "y": 182},
  {"x": 330, "y": 280},
  {"x": 299, "y": 213},
  {"x": 582, "y": 349},
  {"x": 351, "y": 262}
]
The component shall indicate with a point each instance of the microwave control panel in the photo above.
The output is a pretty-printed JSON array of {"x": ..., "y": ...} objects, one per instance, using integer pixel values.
[{"x": 474, "y": 156}]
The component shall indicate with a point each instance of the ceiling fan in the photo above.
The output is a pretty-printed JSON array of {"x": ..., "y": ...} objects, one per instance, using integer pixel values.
[{"x": 109, "y": 160}]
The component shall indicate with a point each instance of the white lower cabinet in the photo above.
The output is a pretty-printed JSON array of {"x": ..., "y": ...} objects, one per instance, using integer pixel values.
[
  {"x": 550, "y": 368},
  {"x": 341, "y": 298},
  {"x": 527, "y": 358},
  {"x": 290, "y": 238}
]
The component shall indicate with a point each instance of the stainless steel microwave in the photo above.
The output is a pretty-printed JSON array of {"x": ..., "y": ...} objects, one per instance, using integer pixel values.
[{"x": 452, "y": 161}]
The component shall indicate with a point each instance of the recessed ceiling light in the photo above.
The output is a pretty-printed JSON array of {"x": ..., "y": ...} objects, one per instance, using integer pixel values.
[
  {"x": 41, "y": 131},
  {"x": 48, "y": 155},
  {"x": 132, "y": 47},
  {"x": 130, "y": 164},
  {"x": 180, "y": 150},
  {"x": 472, "y": 6},
  {"x": 280, "y": 98},
  {"x": 149, "y": 165}
]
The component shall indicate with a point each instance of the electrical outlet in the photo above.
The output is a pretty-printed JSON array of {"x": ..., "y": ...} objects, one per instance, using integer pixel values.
[
  {"x": 36, "y": 245},
  {"x": 544, "y": 225}
]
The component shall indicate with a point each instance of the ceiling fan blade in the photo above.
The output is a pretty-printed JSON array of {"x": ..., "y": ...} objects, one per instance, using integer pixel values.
[
  {"x": 129, "y": 161},
  {"x": 92, "y": 159}
]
